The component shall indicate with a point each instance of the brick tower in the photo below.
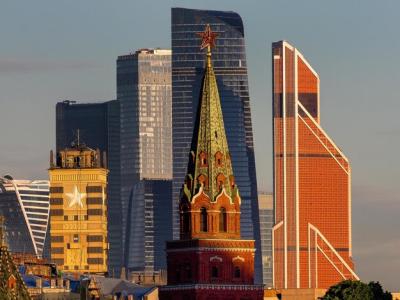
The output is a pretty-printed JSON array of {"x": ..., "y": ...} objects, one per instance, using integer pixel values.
[{"x": 210, "y": 261}]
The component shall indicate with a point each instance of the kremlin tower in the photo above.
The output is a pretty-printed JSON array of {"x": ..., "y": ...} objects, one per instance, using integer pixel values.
[{"x": 210, "y": 261}]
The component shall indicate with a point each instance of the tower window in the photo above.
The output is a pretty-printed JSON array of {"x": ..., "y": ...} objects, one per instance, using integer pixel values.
[
  {"x": 214, "y": 272},
  {"x": 203, "y": 219},
  {"x": 237, "y": 272},
  {"x": 203, "y": 159},
  {"x": 222, "y": 220},
  {"x": 219, "y": 159},
  {"x": 220, "y": 180}
]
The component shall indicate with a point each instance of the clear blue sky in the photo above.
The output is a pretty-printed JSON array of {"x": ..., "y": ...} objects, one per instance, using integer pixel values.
[{"x": 54, "y": 50}]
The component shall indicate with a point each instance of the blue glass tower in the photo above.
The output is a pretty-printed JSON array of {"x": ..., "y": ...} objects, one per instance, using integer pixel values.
[{"x": 229, "y": 58}]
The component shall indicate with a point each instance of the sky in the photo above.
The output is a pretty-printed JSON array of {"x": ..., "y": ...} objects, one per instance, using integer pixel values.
[{"x": 56, "y": 50}]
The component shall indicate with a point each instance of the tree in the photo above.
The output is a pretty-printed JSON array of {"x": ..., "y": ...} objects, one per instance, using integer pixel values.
[
  {"x": 378, "y": 292},
  {"x": 356, "y": 290}
]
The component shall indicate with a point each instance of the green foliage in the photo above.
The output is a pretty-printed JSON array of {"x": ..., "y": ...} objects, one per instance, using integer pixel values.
[
  {"x": 378, "y": 291},
  {"x": 356, "y": 290}
]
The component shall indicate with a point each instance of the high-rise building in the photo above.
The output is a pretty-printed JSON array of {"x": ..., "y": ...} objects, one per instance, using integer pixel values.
[
  {"x": 25, "y": 207},
  {"x": 144, "y": 92},
  {"x": 265, "y": 204},
  {"x": 99, "y": 128},
  {"x": 91, "y": 119},
  {"x": 210, "y": 261},
  {"x": 78, "y": 210},
  {"x": 312, "y": 182},
  {"x": 230, "y": 67}
]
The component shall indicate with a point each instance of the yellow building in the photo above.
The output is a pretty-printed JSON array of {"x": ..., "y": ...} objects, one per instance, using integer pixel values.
[{"x": 78, "y": 210}]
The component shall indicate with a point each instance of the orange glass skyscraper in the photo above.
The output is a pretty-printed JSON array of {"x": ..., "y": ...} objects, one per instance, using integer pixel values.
[{"x": 312, "y": 182}]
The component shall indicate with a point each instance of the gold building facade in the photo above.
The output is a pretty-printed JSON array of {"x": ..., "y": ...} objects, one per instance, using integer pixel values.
[{"x": 78, "y": 210}]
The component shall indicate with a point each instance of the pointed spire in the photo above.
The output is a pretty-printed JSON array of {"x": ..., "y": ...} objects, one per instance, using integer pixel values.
[{"x": 210, "y": 167}]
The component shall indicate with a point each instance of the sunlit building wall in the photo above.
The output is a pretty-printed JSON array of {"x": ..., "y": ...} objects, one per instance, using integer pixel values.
[{"x": 312, "y": 182}]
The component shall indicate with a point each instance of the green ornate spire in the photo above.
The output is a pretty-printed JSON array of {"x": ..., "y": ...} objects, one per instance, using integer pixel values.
[
  {"x": 12, "y": 286},
  {"x": 210, "y": 167}
]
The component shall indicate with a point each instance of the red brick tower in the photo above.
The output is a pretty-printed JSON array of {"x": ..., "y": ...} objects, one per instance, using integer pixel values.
[{"x": 210, "y": 261}]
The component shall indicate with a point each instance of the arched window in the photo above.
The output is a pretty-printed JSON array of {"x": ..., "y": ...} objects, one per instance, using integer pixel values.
[
  {"x": 185, "y": 219},
  {"x": 203, "y": 219},
  {"x": 203, "y": 159},
  {"x": 219, "y": 159},
  {"x": 222, "y": 220},
  {"x": 214, "y": 272},
  {"x": 202, "y": 179},
  {"x": 236, "y": 273},
  {"x": 220, "y": 180}
]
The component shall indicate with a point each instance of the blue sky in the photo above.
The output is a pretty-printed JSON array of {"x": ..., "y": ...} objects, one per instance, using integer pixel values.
[{"x": 55, "y": 50}]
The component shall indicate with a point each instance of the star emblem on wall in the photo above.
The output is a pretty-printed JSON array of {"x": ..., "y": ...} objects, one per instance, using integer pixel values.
[
  {"x": 207, "y": 38},
  {"x": 75, "y": 198}
]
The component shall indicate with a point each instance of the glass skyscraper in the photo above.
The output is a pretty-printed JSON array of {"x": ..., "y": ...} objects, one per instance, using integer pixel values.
[
  {"x": 25, "y": 206},
  {"x": 229, "y": 59},
  {"x": 144, "y": 92},
  {"x": 266, "y": 212}
]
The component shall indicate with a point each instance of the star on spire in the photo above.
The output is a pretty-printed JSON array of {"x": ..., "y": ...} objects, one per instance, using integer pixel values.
[
  {"x": 75, "y": 197},
  {"x": 207, "y": 38}
]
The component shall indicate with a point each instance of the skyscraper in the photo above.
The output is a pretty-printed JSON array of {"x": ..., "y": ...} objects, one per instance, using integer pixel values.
[
  {"x": 89, "y": 118},
  {"x": 144, "y": 93},
  {"x": 210, "y": 261},
  {"x": 25, "y": 207},
  {"x": 230, "y": 67},
  {"x": 312, "y": 182},
  {"x": 78, "y": 210},
  {"x": 99, "y": 128},
  {"x": 265, "y": 203}
]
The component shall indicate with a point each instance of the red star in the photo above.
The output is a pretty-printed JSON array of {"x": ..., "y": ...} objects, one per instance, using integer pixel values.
[{"x": 208, "y": 37}]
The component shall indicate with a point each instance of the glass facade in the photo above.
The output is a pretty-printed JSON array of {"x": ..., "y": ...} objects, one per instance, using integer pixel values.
[
  {"x": 144, "y": 92},
  {"x": 149, "y": 225},
  {"x": 25, "y": 206},
  {"x": 229, "y": 60},
  {"x": 89, "y": 118},
  {"x": 265, "y": 203},
  {"x": 312, "y": 189}
]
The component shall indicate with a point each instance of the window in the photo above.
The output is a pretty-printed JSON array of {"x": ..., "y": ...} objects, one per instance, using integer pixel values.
[
  {"x": 222, "y": 220},
  {"x": 203, "y": 159},
  {"x": 220, "y": 180},
  {"x": 56, "y": 201},
  {"x": 214, "y": 272},
  {"x": 236, "y": 273},
  {"x": 56, "y": 212},
  {"x": 94, "y": 238},
  {"x": 94, "y": 201},
  {"x": 94, "y": 189},
  {"x": 218, "y": 159},
  {"x": 203, "y": 219},
  {"x": 76, "y": 238},
  {"x": 57, "y": 238},
  {"x": 56, "y": 189},
  {"x": 202, "y": 179}
]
